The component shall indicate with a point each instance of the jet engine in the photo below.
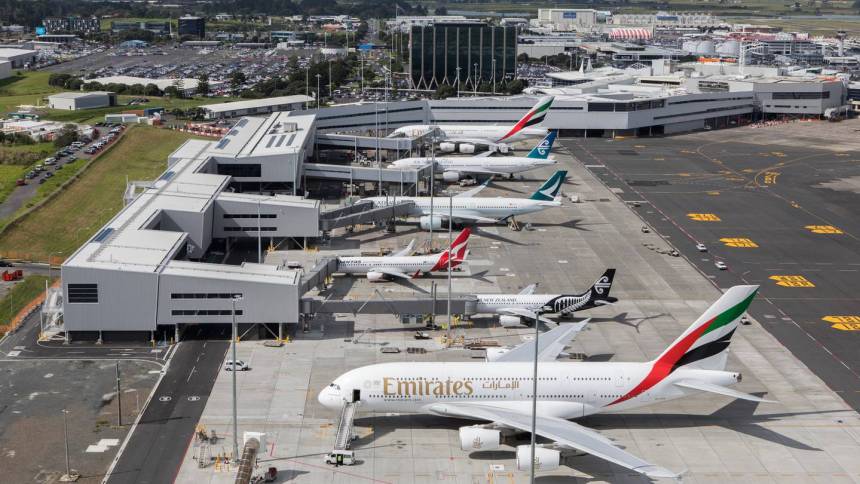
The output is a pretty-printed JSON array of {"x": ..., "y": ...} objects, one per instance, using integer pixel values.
[
  {"x": 448, "y": 147},
  {"x": 493, "y": 354},
  {"x": 477, "y": 438},
  {"x": 510, "y": 321},
  {"x": 451, "y": 176},
  {"x": 374, "y": 276},
  {"x": 545, "y": 459},
  {"x": 426, "y": 222}
]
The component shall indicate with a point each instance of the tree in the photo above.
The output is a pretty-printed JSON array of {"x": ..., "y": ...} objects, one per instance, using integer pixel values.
[
  {"x": 237, "y": 79},
  {"x": 515, "y": 87},
  {"x": 523, "y": 58},
  {"x": 171, "y": 91},
  {"x": 202, "y": 85},
  {"x": 74, "y": 83},
  {"x": 66, "y": 136},
  {"x": 444, "y": 91},
  {"x": 152, "y": 90},
  {"x": 58, "y": 80},
  {"x": 441, "y": 11}
]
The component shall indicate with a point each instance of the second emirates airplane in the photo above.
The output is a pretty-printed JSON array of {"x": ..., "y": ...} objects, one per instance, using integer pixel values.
[
  {"x": 500, "y": 392},
  {"x": 469, "y": 138}
]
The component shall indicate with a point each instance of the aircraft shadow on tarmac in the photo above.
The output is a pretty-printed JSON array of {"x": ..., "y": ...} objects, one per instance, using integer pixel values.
[
  {"x": 738, "y": 416},
  {"x": 622, "y": 318}
]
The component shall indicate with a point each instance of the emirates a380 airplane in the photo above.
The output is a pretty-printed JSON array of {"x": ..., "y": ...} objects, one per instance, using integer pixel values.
[
  {"x": 500, "y": 392},
  {"x": 469, "y": 138}
]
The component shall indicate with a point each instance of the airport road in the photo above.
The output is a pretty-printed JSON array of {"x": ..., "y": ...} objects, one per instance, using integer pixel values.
[
  {"x": 777, "y": 214},
  {"x": 157, "y": 445}
]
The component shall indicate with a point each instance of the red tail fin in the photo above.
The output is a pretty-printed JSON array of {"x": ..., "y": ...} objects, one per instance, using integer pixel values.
[{"x": 459, "y": 247}]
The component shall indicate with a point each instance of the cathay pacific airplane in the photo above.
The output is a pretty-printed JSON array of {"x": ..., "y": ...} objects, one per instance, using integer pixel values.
[
  {"x": 469, "y": 138},
  {"x": 466, "y": 207},
  {"x": 517, "y": 309},
  {"x": 404, "y": 265},
  {"x": 500, "y": 392},
  {"x": 455, "y": 168}
]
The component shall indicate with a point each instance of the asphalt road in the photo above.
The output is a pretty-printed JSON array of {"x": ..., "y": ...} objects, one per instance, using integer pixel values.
[
  {"x": 158, "y": 444},
  {"x": 764, "y": 211}
]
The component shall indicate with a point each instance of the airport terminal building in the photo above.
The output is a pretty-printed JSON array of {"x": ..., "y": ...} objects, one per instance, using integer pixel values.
[{"x": 152, "y": 266}]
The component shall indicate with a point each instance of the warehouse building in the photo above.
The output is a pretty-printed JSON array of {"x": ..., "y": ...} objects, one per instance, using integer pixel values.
[
  {"x": 255, "y": 107},
  {"x": 73, "y": 101},
  {"x": 19, "y": 58}
]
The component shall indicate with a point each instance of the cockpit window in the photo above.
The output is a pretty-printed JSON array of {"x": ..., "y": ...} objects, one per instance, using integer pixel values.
[{"x": 336, "y": 387}]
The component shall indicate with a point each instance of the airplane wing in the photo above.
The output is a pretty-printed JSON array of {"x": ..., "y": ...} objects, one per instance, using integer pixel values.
[
  {"x": 523, "y": 313},
  {"x": 472, "y": 218},
  {"x": 550, "y": 344},
  {"x": 528, "y": 290},
  {"x": 471, "y": 193},
  {"x": 563, "y": 432},
  {"x": 721, "y": 390},
  {"x": 390, "y": 272},
  {"x": 405, "y": 251},
  {"x": 485, "y": 154}
]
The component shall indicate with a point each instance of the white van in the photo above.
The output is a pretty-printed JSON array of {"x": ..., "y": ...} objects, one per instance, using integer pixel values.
[{"x": 340, "y": 458}]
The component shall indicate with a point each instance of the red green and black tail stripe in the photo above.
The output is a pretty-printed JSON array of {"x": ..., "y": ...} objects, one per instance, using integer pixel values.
[
  {"x": 682, "y": 351},
  {"x": 533, "y": 117}
]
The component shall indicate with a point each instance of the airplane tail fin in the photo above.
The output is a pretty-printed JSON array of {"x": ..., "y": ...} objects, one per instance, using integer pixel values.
[
  {"x": 535, "y": 116},
  {"x": 551, "y": 187},
  {"x": 543, "y": 149},
  {"x": 459, "y": 248},
  {"x": 598, "y": 294},
  {"x": 704, "y": 343}
]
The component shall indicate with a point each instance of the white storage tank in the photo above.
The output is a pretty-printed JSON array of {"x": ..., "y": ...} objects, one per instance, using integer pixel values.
[
  {"x": 730, "y": 48},
  {"x": 705, "y": 47}
]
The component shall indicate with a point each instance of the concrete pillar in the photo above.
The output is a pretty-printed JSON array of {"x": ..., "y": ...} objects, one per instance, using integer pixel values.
[
  {"x": 280, "y": 331},
  {"x": 152, "y": 338},
  {"x": 100, "y": 340},
  {"x": 176, "y": 333}
]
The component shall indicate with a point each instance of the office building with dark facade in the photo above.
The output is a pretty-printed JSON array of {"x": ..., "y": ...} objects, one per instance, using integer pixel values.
[
  {"x": 192, "y": 26},
  {"x": 483, "y": 53}
]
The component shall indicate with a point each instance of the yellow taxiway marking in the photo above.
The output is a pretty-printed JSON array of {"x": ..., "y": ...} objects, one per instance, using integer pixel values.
[
  {"x": 778, "y": 154},
  {"x": 844, "y": 323},
  {"x": 823, "y": 229},
  {"x": 840, "y": 154},
  {"x": 739, "y": 242},
  {"x": 749, "y": 170},
  {"x": 704, "y": 217},
  {"x": 683, "y": 174},
  {"x": 639, "y": 146},
  {"x": 659, "y": 159},
  {"x": 770, "y": 177},
  {"x": 713, "y": 193},
  {"x": 792, "y": 281}
]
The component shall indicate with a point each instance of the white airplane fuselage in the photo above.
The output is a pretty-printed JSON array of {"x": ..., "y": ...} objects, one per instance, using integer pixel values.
[
  {"x": 468, "y": 208},
  {"x": 492, "y": 303},
  {"x": 479, "y": 164},
  {"x": 565, "y": 389},
  {"x": 490, "y": 134},
  {"x": 409, "y": 264}
]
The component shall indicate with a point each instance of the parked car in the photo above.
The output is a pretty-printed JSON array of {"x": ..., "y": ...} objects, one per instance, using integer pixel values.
[
  {"x": 239, "y": 365},
  {"x": 6, "y": 263},
  {"x": 645, "y": 229},
  {"x": 701, "y": 247},
  {"x": 721, "y": 265},
  {"x": 20, "y": 182}
]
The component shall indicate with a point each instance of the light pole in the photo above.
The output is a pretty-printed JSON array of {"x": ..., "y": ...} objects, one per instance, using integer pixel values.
[
  {"x": 494, "y": 75},
  {"x": 307, "y": 88},
  {"x": 475, "y": 82},
  {"x": 318, "y": 91},
  {"x": 68, "y": 476},
  {"x": 236, "y": 297},
  {"x": 450, "y": 256},
  {"x": 118, "y": 398},
  {"x": 458, "y": 82},
  {"x": 534, "y": 392},
  {"x": 330, "y": 89},
  {"x": 260, "y": 233}
]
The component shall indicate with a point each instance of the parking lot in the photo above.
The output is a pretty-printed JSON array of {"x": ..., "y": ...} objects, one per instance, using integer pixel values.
[{"x": 810, "y": 436}]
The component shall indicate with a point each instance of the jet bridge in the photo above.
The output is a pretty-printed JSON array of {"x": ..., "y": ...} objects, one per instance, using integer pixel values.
[
  {"x": 352, "y": 174},
  {"x": 362, "y": 213},
  {"x": 466, "y": 305}
]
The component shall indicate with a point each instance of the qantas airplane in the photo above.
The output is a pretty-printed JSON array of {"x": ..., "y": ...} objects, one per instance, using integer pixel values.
[
  {"x": 455, "y": 168},
  {"x": 500, "y": 392},
  {"x": 465, "y": 207},
  {"x": 517, "y": 309},
  {"x": 402, "y": 264},
  {"x": 468, "y": 138}
]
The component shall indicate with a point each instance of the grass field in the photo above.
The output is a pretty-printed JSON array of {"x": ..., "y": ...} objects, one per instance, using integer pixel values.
[
  {"x": 10, "y": 172},
  {"x": 21, "y": 294},
  {"x": 92, "y": 116},
  {"x": 8, "y": 175},
  {"x": 28, "y": 88},
  {"x": 68, "y": 219}
]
